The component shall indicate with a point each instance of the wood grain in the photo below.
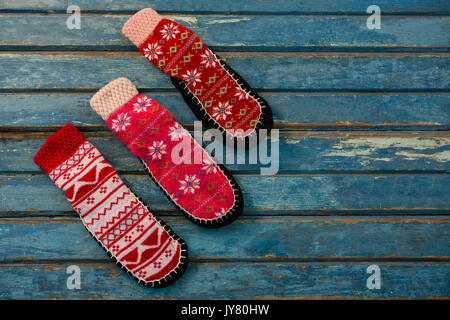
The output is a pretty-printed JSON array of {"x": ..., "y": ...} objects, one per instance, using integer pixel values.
[
  {"x": 231, "y": 281},
  {"x": 262, "y": 33},
  {"x": 364, "y": 148},
  {"x": 288, "y": 72},
  {"x": 248, "y": 239},
  {"x": 26, "y": 192},
  {"x": 326, "y": 152},
  {"x": 230, "y": 6},
  {"x": 426, "y": 111}
]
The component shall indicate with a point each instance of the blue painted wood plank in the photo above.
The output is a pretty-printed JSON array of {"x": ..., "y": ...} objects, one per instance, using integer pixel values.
[
  {"x": 288, "y": 33},
  {"x": 290, "y": 110},
  {"x": 230, "y": 7},
  {"x": 378, "y": 192},
  {"x": 288, "y": 72},
  {"x": 227, "y": 280},
  {"x": 327, "y": 152},
  {"x": 248, "y": 238},
  {"x": 252, "y": 261}
]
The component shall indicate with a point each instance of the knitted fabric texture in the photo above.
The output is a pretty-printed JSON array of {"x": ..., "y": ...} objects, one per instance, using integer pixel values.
[
  {"x": 215, "y": 92},
  {"x": 58, "y": 147},
  {"x": 141, "y": 244},
  {"x": 112, "y": 97},
  {"x": 204, "y": 191},
  {"x": 141, "y": 25}
]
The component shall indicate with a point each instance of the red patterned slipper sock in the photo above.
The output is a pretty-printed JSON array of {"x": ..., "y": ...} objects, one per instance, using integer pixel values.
[
  {"x": 204, "y": 191},
  {"x": 216, "y": 94},
  {"x": 137, "y": 241}
]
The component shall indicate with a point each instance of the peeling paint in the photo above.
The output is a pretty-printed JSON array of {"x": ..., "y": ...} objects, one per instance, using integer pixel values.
[
  {"x": 369, "y": 146},
  {"x": 293, "y": 141},
  {"x": 217, "y": 21},
  {"x": 443, "y": 156},
  {"x": 190, "y": 20}
]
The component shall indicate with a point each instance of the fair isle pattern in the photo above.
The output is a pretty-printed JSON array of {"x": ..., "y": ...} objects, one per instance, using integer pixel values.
[
  {"x": 181, "y": 54},
  {"x": 200, "y": 189},
  {"x": 71, "y": 162},
  {"x": 115, "y": 217}
]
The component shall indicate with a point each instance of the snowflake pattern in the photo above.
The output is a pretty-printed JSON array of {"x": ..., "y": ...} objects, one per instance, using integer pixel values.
[
  {"x": 169, "y": 31},
  {"x": 177, "y": 132},
  {"x": 192, "y": 77},
  {"x": 222, "y": 111},
  {"x": 141, "y": 104},
  {"x": 189, "y": 184},
  {"x": 121, "y": 122},
  {"x": 208, "y": 59},
  {"x": 209, "y": 166},
  {"x": 241, "y": 94},
  {"x": 157, "y": 150},
  {"x": 152, "y": 51},
  {"x": 174, "y": 49}
]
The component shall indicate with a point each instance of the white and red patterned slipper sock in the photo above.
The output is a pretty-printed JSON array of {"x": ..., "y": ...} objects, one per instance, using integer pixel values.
[
  {"x": 216, "y": 94},
  {"x": 203, "y": 190},
  {"x": 137, "y": 241}
]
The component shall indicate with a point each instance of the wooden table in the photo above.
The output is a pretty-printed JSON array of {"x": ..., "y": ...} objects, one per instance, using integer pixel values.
[{"x": 364, "y": 148}]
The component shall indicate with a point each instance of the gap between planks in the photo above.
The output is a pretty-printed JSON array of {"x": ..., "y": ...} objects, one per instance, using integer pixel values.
[
  {"x": 249, "y": 213},
  {"x": 74, "y": 218},
  {"x": 267, "y": 49},
  {"x": 225, "y": 55},
  {"x": 221, "y": 13},
  {"x": 60, "y": 263},
  {"x": 27, "y": 135},
  {"x": 383, "y": 173},
  {"x": 350, "y": 129}
]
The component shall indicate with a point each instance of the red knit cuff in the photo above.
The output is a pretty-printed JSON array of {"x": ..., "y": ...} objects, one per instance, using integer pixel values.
[{"x": 58, "y": 147}]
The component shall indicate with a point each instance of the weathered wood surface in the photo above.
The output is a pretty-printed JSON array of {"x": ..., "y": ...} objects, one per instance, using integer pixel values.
[
  {"x": 230, "y": 6},
  {"x": 262, "y": 193},
  {"x": 405, "y": 111},
  {"x": 235, "y": 280},
  {"x": 266, "y": 239},
  {"x": 299, "y": 152},
  {"x": 268, "y": 71},
  {"x": 290, "y": 33},
  {"x": 364, "y": 148}
]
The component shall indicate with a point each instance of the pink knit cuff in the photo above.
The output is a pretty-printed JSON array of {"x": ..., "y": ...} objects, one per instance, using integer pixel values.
[
  {"x": 113, "y": 96},
  {"x": 141, "y": 25}
]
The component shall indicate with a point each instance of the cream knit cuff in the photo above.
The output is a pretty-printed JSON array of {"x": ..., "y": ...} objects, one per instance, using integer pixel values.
[
  {"x": 141, "y": 25},
  {"x": 113, "y": 96}
]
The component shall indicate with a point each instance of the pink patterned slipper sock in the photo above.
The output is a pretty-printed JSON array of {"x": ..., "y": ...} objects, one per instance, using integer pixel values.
[
  {"x": 203, "y": 190},
  {"x": 137, "y": 241},
  {"x": 216, "y": 94}
]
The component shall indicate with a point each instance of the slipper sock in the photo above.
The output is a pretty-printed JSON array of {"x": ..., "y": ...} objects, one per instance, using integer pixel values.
[
  {"x": 203, "y": 190},
  {"x": 137, "y": 241},
  {"x": 215, "y": 92}
]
